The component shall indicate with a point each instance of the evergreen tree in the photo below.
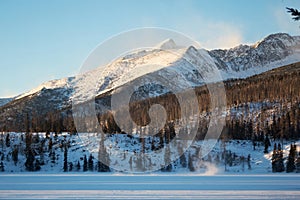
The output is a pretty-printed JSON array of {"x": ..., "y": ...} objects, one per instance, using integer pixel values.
[
  {"x": 280, "y": 162},
  {"x": 41, "y": 152},
  {"x": 7, "y": 140},
  {"x": 78, "y": 166},
  {"x": 85, "y": 166},
  {"x": 50, "y": 144},
  {"x": 103, "y": 156},
  {"x": 267, "y": 144},
  {"x": 168, "y": 164},
  {"x": 29, "y": 163},
  {"x": 139, "y": 162},
  {"x": 274, "y": 158},
  {"x": 130, "y": 163},
  {"x": 190, "y": 163},
  {"x": 91, "y": 163},
  {"x": 294, "y": 12},
  {"x": 71, "y": 167},
  {"x": 15, "y": 155},
  {"x": 2, "y": 167},
  {"x": 290, "y": 165},
  {"x": 183, "y": 161},
  {"x": 37, "y": 165},
  {"x": 52, "y": 156},
  {"x": 249, "y": 161},
  {"x": 277, "y": 159},
  {"x": 65, "y": 159}
]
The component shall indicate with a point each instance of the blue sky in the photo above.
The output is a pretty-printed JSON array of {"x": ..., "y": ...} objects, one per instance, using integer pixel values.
[{"x": 42, "y": 40}]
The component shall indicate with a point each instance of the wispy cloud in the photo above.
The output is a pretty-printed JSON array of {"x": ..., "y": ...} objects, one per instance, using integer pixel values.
[
  {"x": 221, "y": 35},
  {"x": 211, "y": 34}
]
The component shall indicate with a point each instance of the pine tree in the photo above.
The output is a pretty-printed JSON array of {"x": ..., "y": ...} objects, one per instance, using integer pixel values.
[
  {"x": 168, "y": 164},
  {"x": 183, "y": 161},
  {"x": 280, "y": 162},
  {"x": 130, "y": 163},
  {"x": 71, "y": 167},
  {"x": 2, "y": 167},
  {"x": 277, "y": 159},
  {"x": 65, "y": 159},
  {"x": 274, "y": 158},
  {"x": 249, "y": 161},
  {"x": 91, "y": 163},
  {"x": 78, "y": 166},
  {"x": 29, "y": 164},
  {"x": 15, "y": 155},
  {"x": 7, "y": 140},
  {"x": 103, "y": 157},
  {"x": 50, "y": 144},
  {"x": 294, "y": 12},
  {"x": 37, "y": 165},
  {"x": 52, "y": 156},
  {"x": 290, "y": 165},
  {"x": 191, "y": 164},
  {"x": 85, "y": 167},
  {"x": 267, "y": 144},
  {"x": 41, "y": 152}
]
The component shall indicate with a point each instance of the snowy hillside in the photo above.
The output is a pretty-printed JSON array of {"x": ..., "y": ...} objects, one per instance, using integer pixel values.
[{"x": 243, "y": 159}]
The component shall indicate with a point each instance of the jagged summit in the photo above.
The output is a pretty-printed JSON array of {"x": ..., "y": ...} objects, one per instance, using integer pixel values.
[
  {"x": 167, "y": 44},
  {"x": 274, "y": 48},
  {"x": 279, "y": 39}
]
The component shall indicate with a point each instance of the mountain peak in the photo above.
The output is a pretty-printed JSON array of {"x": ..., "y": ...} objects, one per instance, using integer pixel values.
[
  {"x": 282, "y": 38},
  {"x": 167, "y": 44}
]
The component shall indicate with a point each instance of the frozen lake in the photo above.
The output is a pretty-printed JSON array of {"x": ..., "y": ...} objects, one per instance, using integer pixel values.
[{"x": 91, "y": 186}]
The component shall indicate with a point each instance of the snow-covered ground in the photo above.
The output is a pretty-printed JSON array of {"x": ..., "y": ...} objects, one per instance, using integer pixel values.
[
  {"x": 149, "y": 186},
  {"x": 211, "y": 164}
]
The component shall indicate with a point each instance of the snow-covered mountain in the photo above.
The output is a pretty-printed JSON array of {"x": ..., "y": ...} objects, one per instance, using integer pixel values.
[
  {"x": 187, "y": 65},
  {"x": 182, "y": 67},
  {"x": 245, "y": 60}
]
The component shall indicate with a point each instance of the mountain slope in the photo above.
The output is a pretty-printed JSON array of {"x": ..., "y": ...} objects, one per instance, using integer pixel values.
[{"x": 185, "y": 67}]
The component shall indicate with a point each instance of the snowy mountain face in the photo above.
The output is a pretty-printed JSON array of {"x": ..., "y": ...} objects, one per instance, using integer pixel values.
[
  {"x": 53, "y": 84},
  {"x": 185, "y": 67},
  {"x": 275, "y": 47}
]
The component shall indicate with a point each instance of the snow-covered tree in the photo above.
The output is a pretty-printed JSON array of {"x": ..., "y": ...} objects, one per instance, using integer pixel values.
[
  {"x": 103, "y": 156},
  {"x": 290, "y": 165},
  {"x": 15, "y": 154},
  {"x": 277, "y": 159}
]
